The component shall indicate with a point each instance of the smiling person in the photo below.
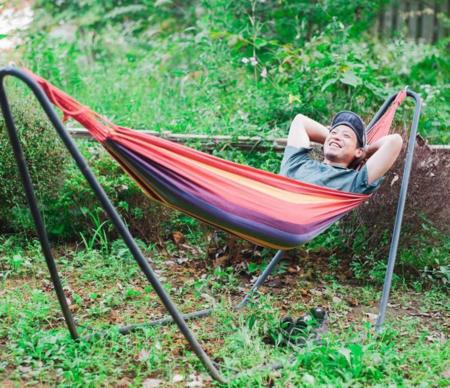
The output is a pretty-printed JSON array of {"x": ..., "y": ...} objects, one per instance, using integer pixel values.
[{"x": 344, "y": 146}]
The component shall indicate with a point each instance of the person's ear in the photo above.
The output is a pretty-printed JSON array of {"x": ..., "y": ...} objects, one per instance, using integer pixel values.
[{"x": 359, "y": 152}]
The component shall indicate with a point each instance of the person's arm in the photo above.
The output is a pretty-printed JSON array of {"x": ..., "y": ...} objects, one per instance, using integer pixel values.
[
  {"x": 303, "y": 130},
  {"x": 381, "y": 155}
]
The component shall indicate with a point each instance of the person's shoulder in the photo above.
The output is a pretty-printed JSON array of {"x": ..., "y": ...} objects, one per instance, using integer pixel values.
[
  {"x": 361, "y": 183},
  {"x": 294, "y": 158},
  {"x": 292, "y": 153},
  {"x": 297, "y": 150}
]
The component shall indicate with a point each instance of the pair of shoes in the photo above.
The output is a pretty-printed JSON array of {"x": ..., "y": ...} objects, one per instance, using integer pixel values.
[{"x": 297, "y": 331}]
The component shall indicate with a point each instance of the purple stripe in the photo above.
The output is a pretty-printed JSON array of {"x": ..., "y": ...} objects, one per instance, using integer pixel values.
[{"x": 185, "y": 194}]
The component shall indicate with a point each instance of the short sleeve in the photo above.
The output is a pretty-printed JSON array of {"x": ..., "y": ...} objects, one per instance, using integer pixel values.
[
  {"x": 361, "y": 182},
  {"x": 293, "y": 158}
]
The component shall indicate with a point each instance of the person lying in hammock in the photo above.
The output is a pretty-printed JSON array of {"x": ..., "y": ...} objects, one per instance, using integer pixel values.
[{"x": 344, "y": 146}]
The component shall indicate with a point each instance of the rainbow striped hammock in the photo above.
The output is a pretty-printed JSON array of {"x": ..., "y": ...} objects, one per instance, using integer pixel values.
[{"x": 265, "y": 208}]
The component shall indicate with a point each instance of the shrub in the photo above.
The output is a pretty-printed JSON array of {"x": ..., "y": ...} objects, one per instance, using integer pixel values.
[
  {"x": 67, "y": 203},
  {"x": 424, "y": 242},
  {"x": 79, "y": 211},
  {"x": 45, "y": 157}
]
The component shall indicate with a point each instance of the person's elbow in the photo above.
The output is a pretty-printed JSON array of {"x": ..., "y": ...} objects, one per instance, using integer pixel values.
[
  {"x": 396, "y": 144},
  {"x": 299, "y": 117}
]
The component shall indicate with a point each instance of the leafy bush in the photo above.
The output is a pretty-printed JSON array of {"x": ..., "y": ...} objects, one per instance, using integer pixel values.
[
  {"x": 79, "y": 211},
  {"x": 67, "y": 203},
  {"x": 233, "y": 68},
  {"x": 43, "y": 153},
  {"x": 424, "y": 243}
]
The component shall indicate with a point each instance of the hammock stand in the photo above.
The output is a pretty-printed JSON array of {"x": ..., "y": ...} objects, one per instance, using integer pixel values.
[{"x": 175, "y": 316}]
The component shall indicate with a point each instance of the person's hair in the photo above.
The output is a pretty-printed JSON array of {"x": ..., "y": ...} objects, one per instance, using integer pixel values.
[{"x": 354, "y": 122}]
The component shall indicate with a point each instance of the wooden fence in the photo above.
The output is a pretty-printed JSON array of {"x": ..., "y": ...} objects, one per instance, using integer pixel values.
[{"x": 421, "y": 20}]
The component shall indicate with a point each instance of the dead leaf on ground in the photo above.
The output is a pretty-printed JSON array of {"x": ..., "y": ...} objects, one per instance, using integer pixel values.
[
  {"x": 114, "y": 316},
  {"x": 151, "y": 383},
  {"x": 372, "y": 317},
  {"x": 177, "y": 378},
  {"x": 123, "y": 383},
  {"x": 195, "y": 381},
  {"x": 177, "y": 237},
  {"x": 221, "y": 261},
  {"x": 143, "y": 355},
  {"x": 275, "y": 283},
  {"x": 352, "y": 302}
]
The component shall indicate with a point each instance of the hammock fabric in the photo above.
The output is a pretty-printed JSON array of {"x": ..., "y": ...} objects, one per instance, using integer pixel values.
[{"x": 265, "y": 208}]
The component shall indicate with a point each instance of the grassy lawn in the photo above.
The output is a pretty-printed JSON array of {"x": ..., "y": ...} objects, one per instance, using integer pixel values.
[
  {"x": 216, "y": 67},
  {"x": 106, "y": 288}
]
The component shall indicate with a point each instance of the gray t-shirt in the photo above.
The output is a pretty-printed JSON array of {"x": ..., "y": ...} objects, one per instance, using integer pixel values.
[{"x": 298, "y": 164}]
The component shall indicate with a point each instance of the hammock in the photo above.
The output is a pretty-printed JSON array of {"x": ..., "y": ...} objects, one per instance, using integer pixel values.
[
  {"x": 208, "y": 188},
  {"x": 265, "y": 208}
]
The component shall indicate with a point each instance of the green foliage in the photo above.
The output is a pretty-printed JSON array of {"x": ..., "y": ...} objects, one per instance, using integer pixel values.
[
  {"x": 235, "y": 68},
  {"x": 426, "y": 256},
  {"x": 67, "y": 202},
  {"x": 45, "y": 157},
  {"x": 218, "y": 67},
  {"x": 430, "y": 254},
  {"x": 77, "y": 211},
  {"x": 37, "y": 348}
]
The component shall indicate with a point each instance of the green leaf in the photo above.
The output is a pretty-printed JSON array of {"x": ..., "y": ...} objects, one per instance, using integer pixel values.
[
  {"x": 260, "y": 43},
  {"x": 252, "y": 267},
  {"x": 327, "y": 84},
  {"x": 350, "y": 78}
]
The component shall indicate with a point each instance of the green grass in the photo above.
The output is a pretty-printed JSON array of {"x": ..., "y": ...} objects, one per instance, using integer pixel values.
[
  {"x": 192, "y": 79},
  {"x": 194, "y": 76},
  {"x": 109, "y": 289}
]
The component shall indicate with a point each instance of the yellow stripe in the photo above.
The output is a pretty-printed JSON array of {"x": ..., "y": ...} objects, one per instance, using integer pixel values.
[
  {"x": 294, "y": 198},
  {"x": 146, "y": 189}
]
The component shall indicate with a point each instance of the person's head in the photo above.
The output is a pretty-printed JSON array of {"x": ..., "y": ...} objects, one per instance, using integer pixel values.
[{"x": 346, "y": 140}]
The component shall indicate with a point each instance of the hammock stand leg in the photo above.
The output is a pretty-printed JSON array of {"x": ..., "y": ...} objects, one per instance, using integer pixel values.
[
  {"x": 175, "y": 315},
  {"x": 401, "y": 203},
  {"x": 107, "y": 206},
  {"x": 206, "y": 312},
  {"x": 261, "y": 279},
  {"x": 32, "y": 202}
]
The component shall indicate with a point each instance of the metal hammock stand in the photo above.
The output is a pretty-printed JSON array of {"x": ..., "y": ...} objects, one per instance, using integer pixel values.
[{"x": 175, "y": 316}]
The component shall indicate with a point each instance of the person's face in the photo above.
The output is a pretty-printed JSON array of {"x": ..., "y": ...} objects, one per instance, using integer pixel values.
[{"x": 341, "y": 146}]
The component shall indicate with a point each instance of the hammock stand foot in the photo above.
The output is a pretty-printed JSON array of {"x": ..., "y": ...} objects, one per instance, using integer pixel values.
[
  {"x": 175, "y": 316},
  {"x": 206, "y": 312}
]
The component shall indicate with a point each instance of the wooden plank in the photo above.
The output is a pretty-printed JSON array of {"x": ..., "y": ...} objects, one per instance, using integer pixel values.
[
  {"x": 446, "y": 30},
  {"x": 208, "y": 142},
  {"x": 437, "y": 10},
  {"x": 419, "y": 21},
  {"x": 427, "y": 23},
  {"x": 394, "y": 19},
  {"x": 407, "y": 16},
  {"x": 414, "y": 19},
  {"x": 381, "y": 23}
]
